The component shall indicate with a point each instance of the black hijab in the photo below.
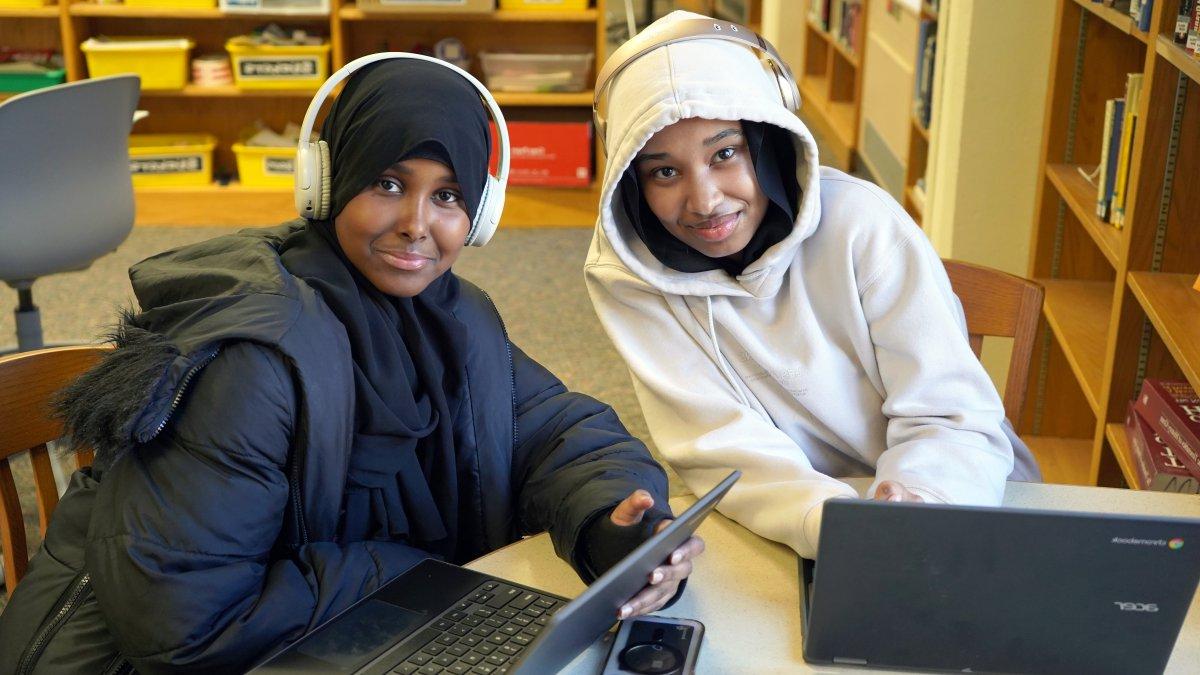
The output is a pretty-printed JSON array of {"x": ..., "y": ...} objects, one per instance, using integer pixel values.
[
  {"x": 774, "y": 159},
  {"x": 404, "y": 480}
]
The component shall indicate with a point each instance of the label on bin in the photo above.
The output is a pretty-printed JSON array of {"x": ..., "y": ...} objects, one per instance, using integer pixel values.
[
  {"x": 279, "y": 166},
  {"x": 166, "y": 164},
  {"x": 277, "y": 67}
]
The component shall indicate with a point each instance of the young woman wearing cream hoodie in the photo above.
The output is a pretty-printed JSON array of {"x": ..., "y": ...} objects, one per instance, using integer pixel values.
[{"x": 779, "y": 317}]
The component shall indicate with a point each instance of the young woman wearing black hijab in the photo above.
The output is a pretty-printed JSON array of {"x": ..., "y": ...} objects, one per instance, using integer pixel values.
[{"x": 298, "y": 414}]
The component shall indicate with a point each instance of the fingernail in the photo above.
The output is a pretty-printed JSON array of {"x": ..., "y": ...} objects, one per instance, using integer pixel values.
[
  {"x": 894, "y": 498},
  {"x": 656, "y": 577},
  {"x": 625, "y": 611},
  {"x": 675, "y": 558}
]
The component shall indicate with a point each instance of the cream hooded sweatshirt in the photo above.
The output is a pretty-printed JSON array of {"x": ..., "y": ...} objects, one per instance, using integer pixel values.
[{"x": 840, "y": 352}]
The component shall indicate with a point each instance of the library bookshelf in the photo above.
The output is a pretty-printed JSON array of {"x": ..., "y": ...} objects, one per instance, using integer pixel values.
[
  {"x": 830, "y": 80},
  {"x": 352, "y": 32},
  {"x": 915, "y": 197},
  {"x": 1120, "y": 305}
]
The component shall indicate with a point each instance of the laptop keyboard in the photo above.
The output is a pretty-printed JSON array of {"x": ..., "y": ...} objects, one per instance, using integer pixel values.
[{"x": 481, "y": 634}]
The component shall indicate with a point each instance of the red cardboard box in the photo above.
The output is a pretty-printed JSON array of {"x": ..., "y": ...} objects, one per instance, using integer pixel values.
[{"x": 549, "y": 154}]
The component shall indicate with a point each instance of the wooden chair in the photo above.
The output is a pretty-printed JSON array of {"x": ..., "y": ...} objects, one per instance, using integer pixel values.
[
  {"x": 1000, "y": 304},
  {"x": 28, "y": 383}
]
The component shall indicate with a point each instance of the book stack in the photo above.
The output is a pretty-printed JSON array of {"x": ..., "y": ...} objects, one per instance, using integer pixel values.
[
  {"x": 923, "y": 82},
  {"x": 1189, "y": 11},
  {"x": 1163, "y": 428},
  {"x": 1116, "y": 152},
  {"x": 842, "y": 19}
]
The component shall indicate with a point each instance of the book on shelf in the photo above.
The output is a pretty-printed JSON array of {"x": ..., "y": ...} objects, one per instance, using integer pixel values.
[
  {"x": 1133, "y": 91},
  {"x": 1182, "y": 20},
  {"x": 818, "y": 12},
  {"x": 1119, "y": 5},
  {"x": 1139, "y": 11},
  {"x": 1172, "y": 410},
  {"x": 923, "y": 82},
  {"x": 1193, "y": 34},
  {"x": 1155, "y": 462},
  {"x": 1114, "y": 120}
]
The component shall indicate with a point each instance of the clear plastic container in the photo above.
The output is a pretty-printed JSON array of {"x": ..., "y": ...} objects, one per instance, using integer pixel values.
[{"x": 536, "y": 72}]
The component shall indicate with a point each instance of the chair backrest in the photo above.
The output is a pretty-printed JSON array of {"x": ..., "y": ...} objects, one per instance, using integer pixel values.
[
  {"x": 28, "y": 383},
  {"x": 1000, "y": 304},
  {"x": 65, "y": 191}
]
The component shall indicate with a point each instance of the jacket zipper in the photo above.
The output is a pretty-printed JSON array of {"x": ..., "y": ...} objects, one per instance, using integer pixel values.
[
  {"x": 296, "y": 505},
  {"x": 43, "y": 637},
  {"x": 512, "y": 375},
  {"x": 183, "y": 385}
]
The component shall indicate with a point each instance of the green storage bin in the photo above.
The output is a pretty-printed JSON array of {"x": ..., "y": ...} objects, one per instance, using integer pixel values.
[{"x": 20, "y": 82}]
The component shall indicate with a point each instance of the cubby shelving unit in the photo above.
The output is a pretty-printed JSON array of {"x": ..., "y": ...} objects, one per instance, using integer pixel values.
[
  {"x": 352, "y": 32},
  {"x": 918, "y": 141},
  {"x": 1119, "y": 302},
  {"x": 830, "y": 79}
]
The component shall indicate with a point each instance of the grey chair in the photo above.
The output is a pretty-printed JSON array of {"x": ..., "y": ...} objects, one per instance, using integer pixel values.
[{"x": 65, "y": 192}]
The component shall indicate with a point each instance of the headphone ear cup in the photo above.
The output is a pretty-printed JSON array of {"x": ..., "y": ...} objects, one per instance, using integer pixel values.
[
  {"x": 323, "y": 187},
  {"x": 487, "y": 217}
]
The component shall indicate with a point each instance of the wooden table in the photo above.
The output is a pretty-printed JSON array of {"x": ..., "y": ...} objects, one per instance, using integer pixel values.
[{"x": 746, "y": 592}]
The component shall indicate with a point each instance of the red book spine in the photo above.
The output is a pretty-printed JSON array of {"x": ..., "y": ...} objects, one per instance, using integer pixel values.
[
  {"x": 1172, "y": 409},
  {"x": 1157, "y": 466},
  {"x": 1193, "y": 38}
]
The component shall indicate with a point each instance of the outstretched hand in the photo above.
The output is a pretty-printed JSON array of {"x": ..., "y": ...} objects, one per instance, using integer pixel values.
[
  {"x": 891, "y": 491},
  {"x": 664, "y": 580}
]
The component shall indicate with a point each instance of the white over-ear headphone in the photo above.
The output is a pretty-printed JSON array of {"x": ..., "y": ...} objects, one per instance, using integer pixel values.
[
  {"x": 682, "y": 31},
  {"x": 313, "y": 176}
]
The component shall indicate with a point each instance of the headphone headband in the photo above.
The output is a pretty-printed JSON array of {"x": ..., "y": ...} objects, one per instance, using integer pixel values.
[
  {"x": 307, "y": 156},
  {"x": 684, "y": 31}
]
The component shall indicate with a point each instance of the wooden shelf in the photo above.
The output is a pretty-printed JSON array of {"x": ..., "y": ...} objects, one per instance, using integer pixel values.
[
  {"x": 513, "y": 99},
  {"x": 1080, "y": 196},
  {"x": 1119, "y": 442},
  {"x": 842, "y": 117},
  {"x": 1065, "y": 461},
  {"x": 237, "y": 204},
  {"x": 814, "y": 92},
  {"x": 845, "y": 52},
  {"x": 816, "y": 28},
  {"x": 1114, "y": 17},
  {"x": 227, "y": 91},
  {"x": 353, "y": 13},
  {"x": 551, "y": 98},
  {"x": 916, "y": 125},
  {"x": 1178, "y": 57},
  {"x": 1173, "y": 306},
  {"x": 1078, "y": 313},
  {"x": 918, "y": 205},
  {"x": 121, "y": 11},
  {"x": 47, "y": 12}
]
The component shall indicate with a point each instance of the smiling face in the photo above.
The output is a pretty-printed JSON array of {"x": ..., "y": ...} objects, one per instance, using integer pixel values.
[
  {"x": 406, "y": 228},
  {"x": 698, "y": 178}
]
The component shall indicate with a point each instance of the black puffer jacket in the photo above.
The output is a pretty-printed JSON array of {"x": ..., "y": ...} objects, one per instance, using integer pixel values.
[{"x": 207, "y": 533}]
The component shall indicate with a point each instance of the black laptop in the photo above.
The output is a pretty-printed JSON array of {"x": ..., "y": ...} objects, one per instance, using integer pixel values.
[
  {"x": 974, "y": 589},
  {"x": 444, "y": 619}
]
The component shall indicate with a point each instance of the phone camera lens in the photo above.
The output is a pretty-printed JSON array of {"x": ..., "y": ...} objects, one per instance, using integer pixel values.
[{"x": 652, "y": 659}]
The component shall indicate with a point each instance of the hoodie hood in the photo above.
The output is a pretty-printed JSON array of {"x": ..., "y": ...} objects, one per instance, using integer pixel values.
[{"x": 712, "y": 79}]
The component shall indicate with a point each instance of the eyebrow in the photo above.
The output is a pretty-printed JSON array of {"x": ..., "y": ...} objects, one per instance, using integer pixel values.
[
  {"x": 731, "y": 131},
  {"x": 447, "y": 177},
  {"x": 719, "y": 136}
]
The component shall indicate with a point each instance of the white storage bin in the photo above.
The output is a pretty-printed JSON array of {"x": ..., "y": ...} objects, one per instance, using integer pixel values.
[
  {"x": 536, "y": 72},
  {"x": 293, "y": 7}
]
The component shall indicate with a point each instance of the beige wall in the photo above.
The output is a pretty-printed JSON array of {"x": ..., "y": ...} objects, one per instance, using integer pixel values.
[
  {"x": 891, "y": 50},
  {"x": 994, "y": 70}
]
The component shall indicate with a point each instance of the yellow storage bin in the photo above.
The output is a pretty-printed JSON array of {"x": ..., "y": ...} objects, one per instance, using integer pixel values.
[
  {"x": 260, "y": 166},
  {"x": 277, "y": 66},
  {"x": 24, "y": 4},
  {"x": 162, "y": 63},
  {"x": 171, "y": 160},
  {"x": 544, "y": 4},
  {"x": 172, "y": 4}
]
